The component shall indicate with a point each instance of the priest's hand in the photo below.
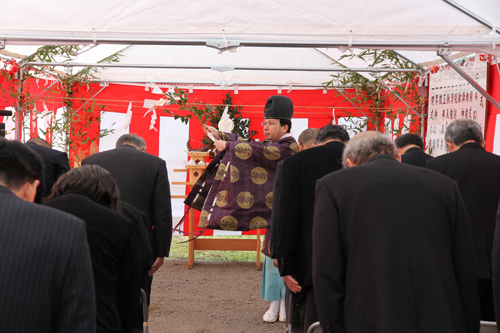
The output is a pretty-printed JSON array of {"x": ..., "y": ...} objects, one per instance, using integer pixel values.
[
  {"x": 220, "y": 145},
  {"x": 292, "y": 284},
  {"x": 209, "y": 129},
  {"x": 156, "y": 265}
]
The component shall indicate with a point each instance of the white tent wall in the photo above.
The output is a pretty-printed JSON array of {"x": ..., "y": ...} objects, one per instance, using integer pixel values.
[{"x": 172, "y": 139}]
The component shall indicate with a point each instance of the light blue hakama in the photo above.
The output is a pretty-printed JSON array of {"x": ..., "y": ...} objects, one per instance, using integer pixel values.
[{"x": 273, "y": 287}]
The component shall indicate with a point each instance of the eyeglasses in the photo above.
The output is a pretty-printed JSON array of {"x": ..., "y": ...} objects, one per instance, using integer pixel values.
[{"x": 268, "y": 123}]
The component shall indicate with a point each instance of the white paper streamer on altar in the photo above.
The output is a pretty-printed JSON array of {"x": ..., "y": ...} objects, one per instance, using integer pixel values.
[
  {"x": 44, "y": 120},
  {"x": 225, "y": 123},
  {"x": 163, "y": 101},
  {"x": 153, "y": 121},
  {"x": 157, "y": 90},
  {"x": 129, "y": 118}
]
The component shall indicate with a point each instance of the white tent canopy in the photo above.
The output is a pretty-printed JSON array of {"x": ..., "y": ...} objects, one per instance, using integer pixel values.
[
  {"x": 270, "y": 35},
  {"x": 266, "y": 34},
  {"x": 245, "y": 57},
  {"x": 404, "y": 24}
]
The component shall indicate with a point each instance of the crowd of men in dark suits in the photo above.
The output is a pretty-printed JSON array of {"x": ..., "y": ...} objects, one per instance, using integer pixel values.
[
  {"x": 364, "y": 243},
  {"x": 384, "y": 246},
  {"x": 77, "y": 268}
]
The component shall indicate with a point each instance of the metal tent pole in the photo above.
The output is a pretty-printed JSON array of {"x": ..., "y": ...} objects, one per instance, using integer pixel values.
[
  {"x": 402, "y": 100},
  {"x": 472, "y": 15},
  {"x": 471, "y": 81},
  {"x": 411, "y": 61},
  {"x": 219, "y": 68},
  {"x": 349, "y": 100},
  {"x": 396, "y": 45}
]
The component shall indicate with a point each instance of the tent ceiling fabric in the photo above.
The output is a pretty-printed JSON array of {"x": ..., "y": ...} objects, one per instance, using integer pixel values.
[
  {"x": 404, "y": 22},
  {"x": 203, "y": 56},
  {"x": 414, "y": 29}
]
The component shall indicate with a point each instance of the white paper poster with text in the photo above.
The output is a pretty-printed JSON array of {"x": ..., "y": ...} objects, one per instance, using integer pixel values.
[{"x": 452, "y": 97}]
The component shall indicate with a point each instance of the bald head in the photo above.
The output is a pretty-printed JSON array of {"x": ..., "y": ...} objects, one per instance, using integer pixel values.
[
  {"x": 365, "y": 145},
  {"x": 307, "y": 137}
]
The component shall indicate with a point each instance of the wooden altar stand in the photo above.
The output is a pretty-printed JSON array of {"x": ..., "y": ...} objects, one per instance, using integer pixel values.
[{"x": 203, "y": 244}]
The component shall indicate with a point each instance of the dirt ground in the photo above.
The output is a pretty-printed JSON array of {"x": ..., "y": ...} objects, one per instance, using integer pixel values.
[{"x": 211, "y": 297}]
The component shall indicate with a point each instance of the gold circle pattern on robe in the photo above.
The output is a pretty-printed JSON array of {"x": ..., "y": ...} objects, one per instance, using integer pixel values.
[
  {"x": 220, "y": 171},
  {"x": 203, "y": 219},
  {"x": 243, "y": 150},
  {"x": 294, "y": 148},
  {"x": 271, "y": 153},
  {"x": 222, "y": 199},
  {"x": 258, "y": 223},
  {"x": 245, "y": 200},
  {"x": 228, "y": 222},
  {"x": 259, "y": 175},
  {"x": 235, "y": 174},
  {"x": 269, "y": 200}
]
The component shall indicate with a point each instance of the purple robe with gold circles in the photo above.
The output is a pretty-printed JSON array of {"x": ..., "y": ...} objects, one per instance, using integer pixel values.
[{"x": 236, "y": 190}]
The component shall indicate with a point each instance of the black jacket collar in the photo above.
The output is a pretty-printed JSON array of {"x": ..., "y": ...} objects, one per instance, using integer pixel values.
[
  {"x": 6, "y": 190},
  {"x": 380, "y": 157},
  {"x": 126, "y": 146},
  {"x": 335, "y": 143},
  {"x": 412, "y": 149},
  {"x": 471, "y": 145}
]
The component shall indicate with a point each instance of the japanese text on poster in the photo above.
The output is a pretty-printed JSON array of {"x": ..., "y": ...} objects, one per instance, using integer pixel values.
[{"x": 452, "y": 97}]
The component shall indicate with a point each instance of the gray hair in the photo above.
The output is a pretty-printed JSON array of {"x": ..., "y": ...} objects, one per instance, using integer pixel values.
[
  {"x": 308, "y": 136},
  {"x": 367, "y": 144},
  {"x": 462, "y": 130},
  {"x": 133, "y": 140}
]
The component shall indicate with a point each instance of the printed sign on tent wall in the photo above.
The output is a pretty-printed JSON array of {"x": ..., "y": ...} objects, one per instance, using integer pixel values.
[{"x": 452, "y": 97}]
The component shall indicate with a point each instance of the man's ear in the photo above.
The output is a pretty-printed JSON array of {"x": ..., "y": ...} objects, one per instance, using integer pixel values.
[
  {"x": 398, "y": 157},
  {"x": 350, "y": 163},
  {"x": 27, "y": 191},
  {"x": 483, "y": 144},
  {"x": 451, "y": 146}
]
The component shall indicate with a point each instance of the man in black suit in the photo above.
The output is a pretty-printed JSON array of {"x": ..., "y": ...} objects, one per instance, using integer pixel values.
[
  {"x": 55, "y": 163},
  {"x": 379, "y": 265},
  {"x": 90, "y": 193},
  {"x": 295, "y": 208},
  {"x": 46, "y": 282},
  {"x": 411, "y": 148},
  {"x": 477, "y": 173},
  {"x": 143, "y": 182}
]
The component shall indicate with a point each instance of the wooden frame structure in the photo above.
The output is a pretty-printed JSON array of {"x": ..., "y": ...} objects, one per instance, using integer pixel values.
[{"x": 203, "y": 244}]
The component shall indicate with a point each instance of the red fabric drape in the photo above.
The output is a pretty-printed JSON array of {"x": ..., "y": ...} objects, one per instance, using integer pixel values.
[{"x": 491, "y": 112}]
